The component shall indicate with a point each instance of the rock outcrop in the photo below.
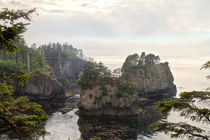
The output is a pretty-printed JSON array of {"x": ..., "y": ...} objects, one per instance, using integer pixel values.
[
  {"x": 93, "y": 102},
  {"x": 154, "y": 80},
  {"x": 67, "y": 72},
  {"x": 41, "y": 87},
  {"x": 152, "y": 76}
]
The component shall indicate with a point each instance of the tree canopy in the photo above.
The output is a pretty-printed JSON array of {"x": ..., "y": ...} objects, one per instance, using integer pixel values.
[
  {"x": 55, "y": 51},
  {"x": 27, "y": 60},
  {"x": 135, "y": 61}
]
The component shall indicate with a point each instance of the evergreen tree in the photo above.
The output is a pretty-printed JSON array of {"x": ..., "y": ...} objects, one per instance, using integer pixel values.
[{"x": 19, "y": 118}]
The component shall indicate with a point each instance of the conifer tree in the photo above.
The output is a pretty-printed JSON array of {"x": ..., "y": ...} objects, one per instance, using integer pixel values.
[{"x": 19, "y": 118}]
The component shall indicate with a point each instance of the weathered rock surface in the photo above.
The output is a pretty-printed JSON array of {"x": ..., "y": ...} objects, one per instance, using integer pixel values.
[
  {"x": 93, "y": 102},
  {"x": 154, "y": 80},
  {"x": 42, "y": 87},
  {"x": 67, "y": 72}
]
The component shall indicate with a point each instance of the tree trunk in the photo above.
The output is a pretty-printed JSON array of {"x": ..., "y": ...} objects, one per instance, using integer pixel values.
[{"x": 28, "y": 60}]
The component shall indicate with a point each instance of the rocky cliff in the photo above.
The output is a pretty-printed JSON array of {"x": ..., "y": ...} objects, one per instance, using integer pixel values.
[
  {"x": 67, "y": 72},
  {"x": 94, "y": 102},
  {"x": 67, "y": 63},
  {"x": 154, "y": 80},
  {"x": 42, "y": 87}
]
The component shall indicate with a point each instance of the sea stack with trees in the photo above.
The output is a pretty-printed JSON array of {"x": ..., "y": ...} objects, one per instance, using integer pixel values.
[{"x": 104, "y": 92}]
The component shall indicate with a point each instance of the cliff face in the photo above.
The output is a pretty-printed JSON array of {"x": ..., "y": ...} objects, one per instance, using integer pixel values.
[
  {"x": 67, "y": 72},
  {"x": 94, "y": 102},
  {"x": 42, "y": 87},
  {"x": 154, "y": 80}
]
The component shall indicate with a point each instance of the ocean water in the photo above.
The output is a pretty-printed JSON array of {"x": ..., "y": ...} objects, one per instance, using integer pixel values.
[{"x": 187, "y": 77}]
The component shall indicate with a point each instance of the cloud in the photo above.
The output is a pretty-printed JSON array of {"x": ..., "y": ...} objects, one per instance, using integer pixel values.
[
  {"x": 120, "y": 27},
  {"x": 120, "y": 18}
]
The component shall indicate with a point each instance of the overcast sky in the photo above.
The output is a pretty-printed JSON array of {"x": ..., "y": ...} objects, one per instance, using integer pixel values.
[{"x": 109, "y": 30}]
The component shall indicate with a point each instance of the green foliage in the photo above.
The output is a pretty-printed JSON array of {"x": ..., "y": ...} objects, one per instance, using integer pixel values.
[
  {"x": 55, "y": 51},
  {"x": 94, "y": 74},
  {"x": 195, "y": 94},
  {"x": 19, "y": 118},
  {"x": 126, "y": 88},
  {"x": 98, "y": 99},
  {"x": 40, "y": 72},
  {"x": 206, "y": 66},
  {"x": 104, "y": 90},
  {"x": 134, "y": 62},
  {"x": 11, "y": 78},
  {"x": 95, "y": 138},
  {"x": 12, "y": 66},
  {"x": 179, "y": 130},
  {"x": 98, "y": 75},
  {"x": 19, "y": 61},
  {"x": 130, "y": 63},
  {"x": 10, "y": 28},
  {"x": 185, "y": 105}
]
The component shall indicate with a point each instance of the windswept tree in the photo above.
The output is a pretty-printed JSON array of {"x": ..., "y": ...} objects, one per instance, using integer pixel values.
[
  {"x": 188, "y": 108},
  {"x": 19, "y": 118},
  {"x": 206, "y": 66}
]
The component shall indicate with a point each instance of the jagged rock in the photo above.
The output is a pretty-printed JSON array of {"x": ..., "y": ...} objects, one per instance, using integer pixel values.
[
  {"x": 93, "y": 102},
  {"x": 42, "y": 87},
  {"x": 154, "y": 80},
  {"x": 67, "y": 72}
]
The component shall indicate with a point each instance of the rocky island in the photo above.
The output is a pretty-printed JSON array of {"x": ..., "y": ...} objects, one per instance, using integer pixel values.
[{"x": 118, "y": 93}]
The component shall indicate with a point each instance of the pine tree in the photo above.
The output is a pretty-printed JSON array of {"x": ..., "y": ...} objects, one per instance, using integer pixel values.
[{"x": 19, "y": 118}]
